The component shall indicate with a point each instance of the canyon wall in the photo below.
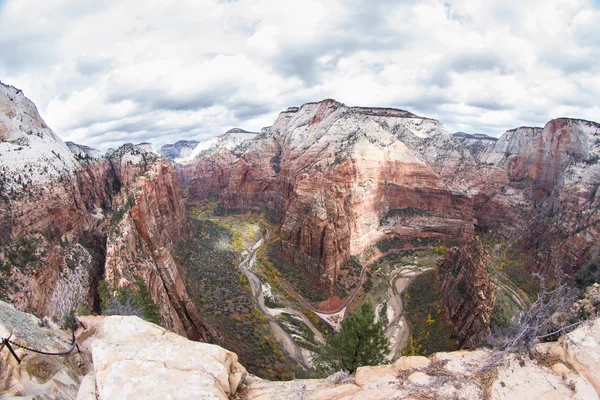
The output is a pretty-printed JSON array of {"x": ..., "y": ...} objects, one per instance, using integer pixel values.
[
  {"x": 148, "y": 221},
  {"x": 468, "y": 293},
  {"x": 340, "y": 178},
  {"x": 52, "y": 214},
  {"x": 70, "y": 217}
]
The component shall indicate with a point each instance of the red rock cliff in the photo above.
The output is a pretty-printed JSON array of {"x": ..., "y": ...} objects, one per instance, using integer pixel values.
[
  {"x": 468, "y": 293},
  {"x": 149, "y": 221}
]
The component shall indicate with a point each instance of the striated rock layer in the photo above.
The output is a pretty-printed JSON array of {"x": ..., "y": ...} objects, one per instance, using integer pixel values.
[
  {"x": 70, "y": 218},
  {"x": 147, "y": 224},
  {"x": 468, "y": 293},
  {"x": 341, "y": 178}
]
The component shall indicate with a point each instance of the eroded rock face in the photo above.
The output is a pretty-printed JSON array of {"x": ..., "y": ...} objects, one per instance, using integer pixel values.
[
  {"x": 341, "y": 179},
  {"x": 148, "y": 222},
  {"x": 468, "y": 294},
  {"x": 52, "y": 214},
  {"x": 556, "y": 171}
]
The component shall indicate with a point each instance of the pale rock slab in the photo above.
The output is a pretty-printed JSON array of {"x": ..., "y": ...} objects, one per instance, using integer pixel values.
[
  {"x": 412, "y": 362},
  {"x": 136, "y": 359},
  {"x": 370, "y": 377}
]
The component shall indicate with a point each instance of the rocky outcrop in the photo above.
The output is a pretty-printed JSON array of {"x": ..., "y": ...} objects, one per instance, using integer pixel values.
[
  {"x": 38, "y": 374},
  {"x": 148, "y": 221},
  {"x": 52, "y": 214},
  {"x": 468, "y": 294},
  {"x": 136, "y": 359}
]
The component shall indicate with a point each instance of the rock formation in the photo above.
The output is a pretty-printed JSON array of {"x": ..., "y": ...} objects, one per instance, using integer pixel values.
[
  {"x": 67, "y": 214},
  {"x": 180, "y": 149},
  {"x": 341, "y": 178},
  {"x": 52, "y": 214},
  {"x": 147, "y": 223},
  {"x": 468, "y": 293},
  {"x": 206, "y": 170},
  {"x": 135, "y": 359}
]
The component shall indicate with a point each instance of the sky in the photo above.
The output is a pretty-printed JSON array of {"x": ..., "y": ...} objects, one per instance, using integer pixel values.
[{"x": 106, "y": 72}]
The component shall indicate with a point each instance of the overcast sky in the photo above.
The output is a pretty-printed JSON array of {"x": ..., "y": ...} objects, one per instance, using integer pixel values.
[{"x": 105, "y": 72}]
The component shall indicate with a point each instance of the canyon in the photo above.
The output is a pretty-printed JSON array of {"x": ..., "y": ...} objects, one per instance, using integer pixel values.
[
  {"x": 339, "y": 179},
  {"x": 325, "y": 185}
]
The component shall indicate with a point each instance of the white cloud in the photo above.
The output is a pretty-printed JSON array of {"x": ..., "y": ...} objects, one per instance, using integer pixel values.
[{"x": 106, "y": 71}]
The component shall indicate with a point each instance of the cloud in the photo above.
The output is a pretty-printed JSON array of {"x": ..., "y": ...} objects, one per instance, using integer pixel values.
[{"x": 104, "y": 72}]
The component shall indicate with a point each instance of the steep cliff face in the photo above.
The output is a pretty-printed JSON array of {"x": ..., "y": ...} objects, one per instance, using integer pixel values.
[
  {"x": 68, "y": 213},
  {"x": 206, "y": 170},
  {"x": 556, "y": 173},
  {"x": 147, "y": 223},
  {"x": 52, "y": 213},
  {"x": 340, "y": 179},
  {"x": 468, "y": 293}
]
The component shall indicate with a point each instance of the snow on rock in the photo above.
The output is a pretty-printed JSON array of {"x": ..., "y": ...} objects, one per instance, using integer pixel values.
[
  {"x": 149, "y": 147},
  {"x": 132, "y": 154},
  {"x": 30, "y": 153}
]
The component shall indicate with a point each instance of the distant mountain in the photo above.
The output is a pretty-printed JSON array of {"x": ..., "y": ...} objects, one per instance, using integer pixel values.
[
  {"x": 82, "y": 152},
  {"x": 180, "y": 149}
]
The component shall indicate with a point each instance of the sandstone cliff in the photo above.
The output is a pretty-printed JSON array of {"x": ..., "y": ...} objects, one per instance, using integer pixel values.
[
  {"x": 147, "y": 223},
  {"x": 554, "y": 178},
  {"x": 134, "y": 359},
  {"x": 468, "y": 293},
  {"x": 70, "y": 217},
  {"x": 52, "y": 213},
  {"x": 341, "y": 178}
]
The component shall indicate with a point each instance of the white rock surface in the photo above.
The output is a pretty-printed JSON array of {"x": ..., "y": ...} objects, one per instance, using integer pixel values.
[
  {"x": 229, "y": 140},
  {"x": 134, "y": 359},
  {"x": 30, "y": 153}
]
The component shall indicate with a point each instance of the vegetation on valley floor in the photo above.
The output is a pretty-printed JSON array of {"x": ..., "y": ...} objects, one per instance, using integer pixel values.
[
  {"x": 430, "y": 330},
  {"x": 223, "y": 295}
]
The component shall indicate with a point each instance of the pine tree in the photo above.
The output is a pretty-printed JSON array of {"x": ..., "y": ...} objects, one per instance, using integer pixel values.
[{"x": 361, "y": 341}]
